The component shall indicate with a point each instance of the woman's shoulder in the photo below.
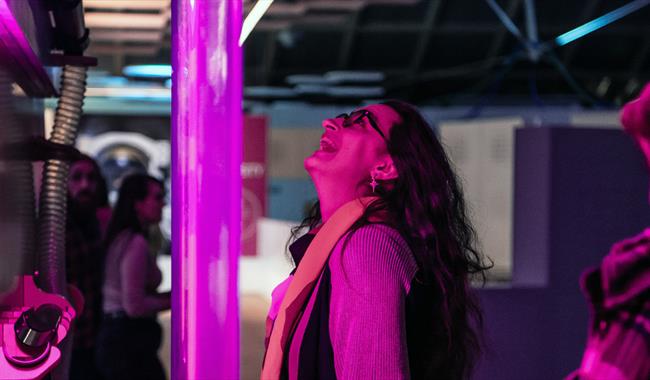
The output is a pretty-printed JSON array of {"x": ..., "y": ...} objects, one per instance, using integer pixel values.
[
  {"x": 379, "y": 235},
  {"x": 375, "y": 250},
  {"x": 129, "y": 240}
]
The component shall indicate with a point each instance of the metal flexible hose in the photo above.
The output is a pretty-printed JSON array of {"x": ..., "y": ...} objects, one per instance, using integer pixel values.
[{"x": 54, "y": 187}]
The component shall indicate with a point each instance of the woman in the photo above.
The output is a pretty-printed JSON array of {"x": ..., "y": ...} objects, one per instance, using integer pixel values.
[
  {"x": 130, "y": 335},
  {"x": 382, "y": 283}
]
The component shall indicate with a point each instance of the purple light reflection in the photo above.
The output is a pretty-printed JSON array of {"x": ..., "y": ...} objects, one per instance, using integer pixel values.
[
  {"x": 206, "y": 184},
  {"x": 17, "y": 56}
]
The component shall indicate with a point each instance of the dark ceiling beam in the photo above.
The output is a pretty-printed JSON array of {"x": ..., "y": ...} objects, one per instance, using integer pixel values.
[
  {"x": 347, "y": 43},
  {"x": 641, "y": 58},
  {"x": 426, "y": 33},
  {"x": 388, "y": 27},
  {"x": 283, "y": 72},
  {"x": 270, "y": 47},
  {"x": 468, "y": 29},
  {"x": 622, "y": 30},
  {"x": 497, "y": 44},
  {"x": 591, "y": 75},
  {"x": 588, "y": 13}
]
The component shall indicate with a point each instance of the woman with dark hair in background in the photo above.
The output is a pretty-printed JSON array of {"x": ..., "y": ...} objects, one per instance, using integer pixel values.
[
  {"x": 104, "y": 210},
  {"x": 382, "y": 281},
  {"x": 130, "y": 335}
]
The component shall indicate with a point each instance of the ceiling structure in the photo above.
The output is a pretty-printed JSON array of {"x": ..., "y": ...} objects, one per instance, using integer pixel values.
[
  {"x": 127, "y": 32},
  {"x": 435, "y": 51}
]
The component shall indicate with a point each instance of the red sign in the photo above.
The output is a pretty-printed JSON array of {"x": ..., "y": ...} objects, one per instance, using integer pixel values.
[{"x": 253, "y": 172}]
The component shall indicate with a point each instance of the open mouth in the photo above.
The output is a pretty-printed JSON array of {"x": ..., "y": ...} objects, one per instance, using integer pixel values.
[{"x": 326, "y": 145}]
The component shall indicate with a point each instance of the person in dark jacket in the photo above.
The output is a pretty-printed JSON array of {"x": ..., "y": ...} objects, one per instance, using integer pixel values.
[
  {"x": 618, "y": 343},
  {"x": 84, "y": 260}
]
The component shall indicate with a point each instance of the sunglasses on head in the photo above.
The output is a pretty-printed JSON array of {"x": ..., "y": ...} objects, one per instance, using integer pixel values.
[{"x": 355, "y": 117}]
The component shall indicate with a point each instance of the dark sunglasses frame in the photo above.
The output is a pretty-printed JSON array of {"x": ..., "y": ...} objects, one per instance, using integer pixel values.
[{"x": 356, "y": 116}]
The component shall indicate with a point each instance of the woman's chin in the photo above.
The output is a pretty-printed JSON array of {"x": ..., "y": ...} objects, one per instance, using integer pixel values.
[
  {"x": 317, "y": 158},
  {"x": 309, "y": 162}
]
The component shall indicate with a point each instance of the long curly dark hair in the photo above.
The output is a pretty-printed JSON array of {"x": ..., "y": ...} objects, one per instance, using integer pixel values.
[
  {"x": 134, "y": 188},
  {"x": 426, "y": 205}
]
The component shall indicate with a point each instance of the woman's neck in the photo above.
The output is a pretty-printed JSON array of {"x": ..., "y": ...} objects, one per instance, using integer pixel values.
[
  {"x": 333, "y": 194},
  {"x": 329, "y": 206},
  {"x": 143, "y": 225}
]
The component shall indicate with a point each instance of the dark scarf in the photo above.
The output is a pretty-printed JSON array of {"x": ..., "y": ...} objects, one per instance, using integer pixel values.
[
  {"x": 307, "y": 275},
  {"x": 316, "y": 355}
]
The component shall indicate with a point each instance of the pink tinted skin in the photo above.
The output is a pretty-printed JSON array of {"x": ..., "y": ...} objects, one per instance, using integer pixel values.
[
  {"x": 635, "y": 117},
  {"x": 341, "y": 169},
  {"x": 149, "y": 210},
  {"x": 82, "y": 183}
]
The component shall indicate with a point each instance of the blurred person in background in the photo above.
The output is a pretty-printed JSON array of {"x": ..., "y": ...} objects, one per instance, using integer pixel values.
[
  {"x": 130, "y": 334},
  {"x": 84, "y": 260},
  {"x": 381, "y": 288},
  {"x": 618, "y": 342},
  {"x": 104, "y": 210}
]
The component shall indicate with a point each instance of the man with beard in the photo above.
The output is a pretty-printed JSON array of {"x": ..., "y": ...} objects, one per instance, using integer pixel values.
[{"x": 84, "y": 262}]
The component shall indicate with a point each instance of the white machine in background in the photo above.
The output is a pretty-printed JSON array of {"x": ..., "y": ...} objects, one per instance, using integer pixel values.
[
  {"x": 482, "y": 151},
  {"x": 121, "y": 153},
  {"x": 124, "y": 147}
]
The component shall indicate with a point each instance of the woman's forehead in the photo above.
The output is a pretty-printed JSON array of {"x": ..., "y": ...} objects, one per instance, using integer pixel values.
[{"x": 384, "y": 115}]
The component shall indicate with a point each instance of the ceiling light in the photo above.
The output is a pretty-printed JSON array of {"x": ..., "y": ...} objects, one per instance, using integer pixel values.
[
  {"x": 269, "y": 92},
  {"x": 109, "y": 20},
  {"x": 600, "y": 22},
  {"x": 127, "y": 4},
  {"x": 253, "y": 17},
  {"x": 354, "y": 76},
  {"x": 134, "y": 93},
  {"x": 127, "y": 35},
  {"x": 354, "y": 92},
  {"x": 297, "y": 79},
  {"x": 148, "y": 71}
]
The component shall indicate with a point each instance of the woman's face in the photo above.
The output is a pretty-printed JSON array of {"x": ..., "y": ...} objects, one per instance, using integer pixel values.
[
  {"x": 149, "y": 209},
  {"x": 352, "y": 146}
]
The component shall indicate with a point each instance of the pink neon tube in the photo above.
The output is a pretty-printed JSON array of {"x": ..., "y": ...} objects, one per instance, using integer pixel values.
[{"x": 206, "y": 188}]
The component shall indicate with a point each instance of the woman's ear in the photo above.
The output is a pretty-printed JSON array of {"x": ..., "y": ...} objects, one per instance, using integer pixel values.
[{"x": 385, "y": 170}]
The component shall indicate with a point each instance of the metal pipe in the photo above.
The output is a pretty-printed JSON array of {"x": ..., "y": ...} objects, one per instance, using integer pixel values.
[
  {"x": 54, "y": 188},
  {"x": 53, "y": 199},
  {"x": 206, "y": 188}
]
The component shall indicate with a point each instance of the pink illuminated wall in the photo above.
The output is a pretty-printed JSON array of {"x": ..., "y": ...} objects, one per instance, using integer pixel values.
[
  {"x": 206, "y": 188},
  {"x": 253, "y": 181}
]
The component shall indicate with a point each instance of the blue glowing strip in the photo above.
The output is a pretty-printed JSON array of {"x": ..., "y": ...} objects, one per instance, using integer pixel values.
[
  {"x": 601, "y": 21},
  {"x": 148, "y": 71}
]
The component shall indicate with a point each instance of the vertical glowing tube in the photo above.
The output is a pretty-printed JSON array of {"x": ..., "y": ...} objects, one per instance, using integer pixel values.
[{"x": 206, "y": 187}]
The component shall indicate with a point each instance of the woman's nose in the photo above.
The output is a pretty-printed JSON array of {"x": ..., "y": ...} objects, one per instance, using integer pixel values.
[{"x": 330, "y": 124}]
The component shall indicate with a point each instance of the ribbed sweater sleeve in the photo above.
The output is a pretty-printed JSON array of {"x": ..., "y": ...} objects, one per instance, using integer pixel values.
[
  {"x": 371, "y": 278},
  {"x": 136, "y": 299}
]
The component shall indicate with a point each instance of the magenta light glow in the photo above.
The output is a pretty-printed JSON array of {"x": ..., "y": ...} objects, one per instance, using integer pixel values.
[
  {"x": 17, "y": 56},
  {"x": 206, "y": 188}
]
